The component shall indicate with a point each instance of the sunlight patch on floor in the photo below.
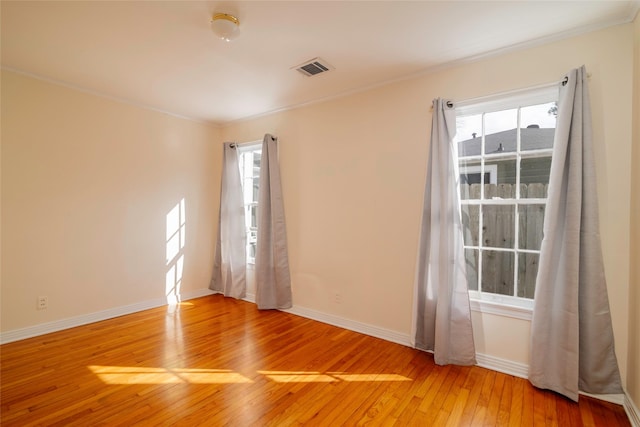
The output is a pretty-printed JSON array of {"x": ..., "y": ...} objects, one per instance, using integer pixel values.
[
  {"x": 144, "y": 375},
  {"x": 370, "y": 377},
  {"x": 298, "y": 377},
  {"x": 147, "y": 375},
  {"x": 303, "y": 376}
]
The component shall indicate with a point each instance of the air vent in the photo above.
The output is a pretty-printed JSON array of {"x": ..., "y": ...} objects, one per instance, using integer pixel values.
[{"x": 314, "y": 67}]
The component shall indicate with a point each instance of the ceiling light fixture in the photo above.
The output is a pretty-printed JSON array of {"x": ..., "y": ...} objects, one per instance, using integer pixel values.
[{"x": 225, "y": 26}]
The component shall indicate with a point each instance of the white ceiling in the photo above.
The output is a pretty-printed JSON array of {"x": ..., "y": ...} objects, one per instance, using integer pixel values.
[{"x": 163, "y": 55}]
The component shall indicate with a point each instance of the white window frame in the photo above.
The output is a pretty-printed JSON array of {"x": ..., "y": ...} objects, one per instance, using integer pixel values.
[
  {"x": 486, "y": 302},
  {"x": 247, "y": 175}
]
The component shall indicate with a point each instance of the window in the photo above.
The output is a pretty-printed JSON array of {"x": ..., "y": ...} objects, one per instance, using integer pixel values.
[
  {"x": 504, "y": 153},
  {"x": 249, "y": 160}
]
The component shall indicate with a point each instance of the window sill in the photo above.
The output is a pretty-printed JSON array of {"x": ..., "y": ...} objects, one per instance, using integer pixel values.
[{"x": 502, "y": 309}]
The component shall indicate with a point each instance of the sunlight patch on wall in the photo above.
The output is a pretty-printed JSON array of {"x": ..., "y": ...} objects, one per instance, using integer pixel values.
[
  {"x": 145, "y": 375},
  {"x": 176, "y": 232}
]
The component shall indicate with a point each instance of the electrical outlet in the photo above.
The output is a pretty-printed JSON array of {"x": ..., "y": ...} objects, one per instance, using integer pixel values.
[
  {"x": 337, "y": 297},
  {"x": 43, "y": 303}
]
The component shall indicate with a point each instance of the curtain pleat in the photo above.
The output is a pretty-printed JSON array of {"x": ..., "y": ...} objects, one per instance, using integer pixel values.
[
  {"x": 273, "y": 280},
  {"x": 229, "y": 269},
  {"x": 572, "y": 346},
  {"x": 442, "y": 314}
]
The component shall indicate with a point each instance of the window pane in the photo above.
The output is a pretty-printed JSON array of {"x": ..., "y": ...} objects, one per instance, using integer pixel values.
[
  {"x": 498, "y": 226},
  {"x": 257, "y": 155},
  {"x": 469, "y": 135},
  {"x": 531, "y": 218},
  {"x": 246, "y": 192},
  {"x": 535, "y": 173},
  {"x": 499, "y": 191},
  {"x": 470, "y": 179},
  {"x": 527, "y": 272},
  {"x": 253, "y": 216},
  {"x": 469, "y": 189},
  {"x": 471, "y": 256},
  {"x": 538, "y": 124},
  {"x": 503, "y": 171},
  {"x": 247, "y": 216},
  {"x": 497, "y": 272},
  {"x": 255, "y": 185},
  {"x": 470, "y": 224},
  {"x": 500, "y": 131}
]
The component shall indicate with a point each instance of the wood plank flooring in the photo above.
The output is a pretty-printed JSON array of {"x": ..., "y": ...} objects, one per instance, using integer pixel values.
[{"x": 215, "y": 361}]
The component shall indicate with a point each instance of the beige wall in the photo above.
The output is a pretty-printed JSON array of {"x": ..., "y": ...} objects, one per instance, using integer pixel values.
[
  {"x": 354, "y": 169},
  {"x": 633, "y": 377},
  {"x": 87, "y": 184}
]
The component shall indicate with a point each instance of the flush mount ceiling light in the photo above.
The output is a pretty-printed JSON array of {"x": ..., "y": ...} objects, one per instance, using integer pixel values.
[{"x": 225, "y": 26}]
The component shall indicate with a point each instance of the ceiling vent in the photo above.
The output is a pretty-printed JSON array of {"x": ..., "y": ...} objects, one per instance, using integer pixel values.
[{"x": 314, "y": 67}]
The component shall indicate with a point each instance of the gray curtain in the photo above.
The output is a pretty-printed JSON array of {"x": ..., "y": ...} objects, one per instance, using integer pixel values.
[
  {"x": 572, "y": 345},
  {"x": 273, "y": 280},
  {"x": 229, "y": 268},
  {"x": 442, "y": 315}
]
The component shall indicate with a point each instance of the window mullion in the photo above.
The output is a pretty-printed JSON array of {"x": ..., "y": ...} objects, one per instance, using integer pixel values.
[
  {"x": 516, "y": 224},
  {"x": 480, "y": 207}
]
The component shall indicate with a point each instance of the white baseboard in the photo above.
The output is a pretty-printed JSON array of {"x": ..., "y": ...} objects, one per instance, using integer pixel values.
[
  {"x": 632, "y": 411},
  {"x": 618, "y": 399},
  {"x": 505, "y": 366},
  {"x": 72, "y": 322},
  {"x": 352, "y": 325}
]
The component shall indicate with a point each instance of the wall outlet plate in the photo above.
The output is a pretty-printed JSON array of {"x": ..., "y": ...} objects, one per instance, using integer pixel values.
[{"x": 43, "y": 302}]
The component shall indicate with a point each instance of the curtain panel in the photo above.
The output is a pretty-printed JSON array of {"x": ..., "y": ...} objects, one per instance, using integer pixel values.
[
  {"x": 273, "y": 279},
  {"x": 229, "y": 268},
  {"x": 442, "y": 314},
  {"x": 572, "y": 346}
]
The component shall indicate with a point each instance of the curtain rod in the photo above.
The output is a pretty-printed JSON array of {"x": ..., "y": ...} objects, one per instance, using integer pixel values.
[
  {"x": 246, "y": 144},
  {"x": 243, "y": 144},
  {"x": 563, "y": 82}
]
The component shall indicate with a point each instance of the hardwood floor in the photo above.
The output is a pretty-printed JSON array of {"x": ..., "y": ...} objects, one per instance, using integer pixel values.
[{"x": 215, "y": 361}]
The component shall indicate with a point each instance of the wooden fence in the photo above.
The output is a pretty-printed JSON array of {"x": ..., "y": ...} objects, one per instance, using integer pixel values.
[{"x": 498, "y": 231}]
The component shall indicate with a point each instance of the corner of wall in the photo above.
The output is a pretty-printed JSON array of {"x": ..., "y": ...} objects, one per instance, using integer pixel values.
[{"x": 633, "y": 373}]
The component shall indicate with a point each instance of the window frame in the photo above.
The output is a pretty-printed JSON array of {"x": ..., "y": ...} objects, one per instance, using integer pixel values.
[
  {"x": 487, "y": 302},
  {"x": 243, "y": 149}
]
